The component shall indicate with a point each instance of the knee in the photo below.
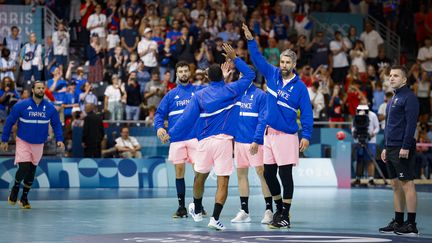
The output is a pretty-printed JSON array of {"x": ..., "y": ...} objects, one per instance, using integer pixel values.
[{"x": 260, "y": 171}]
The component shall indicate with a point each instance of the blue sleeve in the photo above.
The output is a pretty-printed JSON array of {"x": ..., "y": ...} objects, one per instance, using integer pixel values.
[
  {"x": 411, "y": 116},
  {"x": 161, "y": 113},
  {"x": 10, "y": 121},
  {"x": 241, "y": 85},
  {"x": 259, "y": 132},
  {"x": 189, "y": 116},
  {"x": 265, "y": 68},
  {"x": 306, "y": 114},
  {"x": 57, "y": 126}
]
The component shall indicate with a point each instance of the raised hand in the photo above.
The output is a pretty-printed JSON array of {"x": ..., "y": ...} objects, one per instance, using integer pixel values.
[
  {"x": 226, "y": 69},
  {"x": 230, "y": 52},
  {"x": 247, "y": 32}
]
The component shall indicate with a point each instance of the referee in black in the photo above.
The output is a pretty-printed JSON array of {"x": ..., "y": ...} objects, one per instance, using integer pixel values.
[{"x": 399, "y": 152}]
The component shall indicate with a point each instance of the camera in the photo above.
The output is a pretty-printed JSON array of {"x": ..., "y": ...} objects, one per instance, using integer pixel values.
[{"x": 361, "y": 124}]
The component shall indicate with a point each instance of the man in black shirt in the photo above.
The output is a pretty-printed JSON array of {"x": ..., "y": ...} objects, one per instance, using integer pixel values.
[
  {"x": 93, "y": 133},
  {"x": 129, "y": 37},
  {"x": 133, "y": 100}
]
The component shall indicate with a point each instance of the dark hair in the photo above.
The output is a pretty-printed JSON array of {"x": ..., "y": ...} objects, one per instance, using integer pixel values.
[
  {"x": 215, "y": 72},
  {"x": 402, "y": 68},
  {"x": 37, "y": 82},
  {"x": 121, "y": 129},
  {"x": 389, "y": 94},
  {"x": 14, "y": 27},
  {"x": 181, "y": 64},
  {"x": 5, "y": 52},
  {"x": 315, "y": 85}
]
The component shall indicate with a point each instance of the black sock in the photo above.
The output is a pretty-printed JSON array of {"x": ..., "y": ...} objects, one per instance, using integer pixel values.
[
  {"x": 217, "y": 210},
  {"x": 279, "y": 205},
  {"x": 399, "y": 217},
  {"x": 181, "y": 189},
  {"x": 26, "y": 190},
  {"x": 411, "y": 217},
  {"x": 198, "y": 205},
  {"x": 244, "y": 204},
  {"x": 269, "y": 203},
  {"x": 285, "y": 210}
]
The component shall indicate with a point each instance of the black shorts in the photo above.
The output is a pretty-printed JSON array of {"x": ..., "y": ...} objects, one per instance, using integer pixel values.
[{"x": 403, "y": 169}]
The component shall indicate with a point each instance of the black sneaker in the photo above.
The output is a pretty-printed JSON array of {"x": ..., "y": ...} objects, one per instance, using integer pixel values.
[
  {"x": 13, "y": 196},
  {"x": 181, "y": 213},
  {"x": 407, "y": 229},
  {"x": 371, "y": 182},
  {"x": 276, "y": 215},
  {"x": 356, "y": 182},
  {"x": 24, "y": 203},
  {"x": 280, "y": 222},
  {"x": 390, "y": 228}
]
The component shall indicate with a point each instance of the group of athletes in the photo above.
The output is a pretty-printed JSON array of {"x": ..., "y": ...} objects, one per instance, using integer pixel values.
[{"x": 205, "y": 122}]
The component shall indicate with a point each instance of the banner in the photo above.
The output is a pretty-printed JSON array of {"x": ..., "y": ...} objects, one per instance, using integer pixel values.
[{"x": 26, "y": 18}]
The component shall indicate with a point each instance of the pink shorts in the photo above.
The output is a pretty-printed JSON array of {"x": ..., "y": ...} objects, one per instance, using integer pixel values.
[
  {"x": 183, "y": 151},
  {"x": 28, "y": 152},
  {"x": 280, "y": 148},
  {"x": 215, "y": 151},
  {"x": 244, "y": 158}
]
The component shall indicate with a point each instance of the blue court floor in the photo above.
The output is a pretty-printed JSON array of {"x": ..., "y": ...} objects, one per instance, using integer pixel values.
[{"x": 145, "y": 215}]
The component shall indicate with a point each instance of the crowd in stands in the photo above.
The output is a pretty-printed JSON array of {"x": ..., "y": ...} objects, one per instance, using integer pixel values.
[{"x": 131, "y": 47}]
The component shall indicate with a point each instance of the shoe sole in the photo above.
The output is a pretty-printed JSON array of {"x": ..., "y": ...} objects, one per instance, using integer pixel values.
[
  {"x": 215, "y": 228},
  {"x": 387, "y": 232},
  {"x": 243, "y": 221},
  {"x": 24, "y": 207},
  {"x": 407, "y": 234},
  {"x": 11, "y": 202},
  {"x": 275, "y": 227},
  {"x": 179, "y": 217}
]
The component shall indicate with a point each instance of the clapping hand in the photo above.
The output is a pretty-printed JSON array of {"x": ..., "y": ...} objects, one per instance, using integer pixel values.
[{"x": 247, "y": 32}]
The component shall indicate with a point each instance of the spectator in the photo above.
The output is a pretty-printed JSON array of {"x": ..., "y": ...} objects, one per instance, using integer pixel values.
[
  {"x": 133, "y": 100},
  {"x": 129, "y": 37},
  {"x": 371, "y": 39},
  {"x": 174, "y": 34},
  {"x": 93, "y": 133},
  {"x": 128, "y": 146},
  {"x": 317, "y": 101},
  {"x": 132, "y": 66},
  {"x": 382, "y": 109},
  {"x": 31, "y": 55},
  {"x": 425, "y": 56},
  {"x": 382, "y": 61},
  {"x": 114, "y": 95},
  {"x": 336, "y": 107},
  {"x": 358, "y": 57},
  {"x": 147, "y": 50},
  {"x": 86, "y": 10},
  {"x": 339, "y": 48},
  {"x": 142, "y": 76},
  {"x": 272, "y": 53},
  {"x": 8, "y": 97},
  {"x": 97, "y": 24},
  {"x": 423, "y": 155},
  {"x": 113, "y": 40},
  {"x": 378, "y": 97},
  {"x": 61, "y": 41},
  {"x": 217, "y": 51},
  {"x": 118, "y": 62},
  {"x": 319, "y": 51},
  {"x": 354, "y": 97},
  {"x": 7, "y": 65},
  {"x": 167, "y": 60},
  {"x": 281, "y": 23},
  {"x": 229, "y": 34},
  {"x": 352, "y": 35},
  {"x": 322, "y": 76},
  {"x": 57, "y": 84},
  {"x": 199, "y": 10},
  {"x": 200, "y": 78},
  {"x": 79, "y": 80},
  {"x": 87, "y": 96},
  {"x": 166, "y": 81},
  {"x": 302, "y": 52},
  {"x": 422, "y": 88},
  {"x": 185, "y": 48},
  {"x": 149, "y": 120},
  {"x": 49, "y": 58},
  {"x": 154, "y": 90},
  {"x": 13, "y": 43},
  {"x": 419, "y": 24},
  {"x": 95, "y": 55}
]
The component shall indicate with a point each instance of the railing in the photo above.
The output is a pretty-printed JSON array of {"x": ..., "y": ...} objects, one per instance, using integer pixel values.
[
  {"x": 391, "y": 39},
  {"x": 50, "y": 22}
]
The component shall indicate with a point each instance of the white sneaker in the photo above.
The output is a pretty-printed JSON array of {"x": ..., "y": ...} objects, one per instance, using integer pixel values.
[
  {"x": 241, "y": 217},
  {"x": 216, "y": 224},
  {"x": 268, "y": 217},
  {"x": 196, "y": 217}
]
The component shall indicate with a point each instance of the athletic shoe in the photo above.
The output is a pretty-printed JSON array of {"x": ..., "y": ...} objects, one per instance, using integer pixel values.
[
  {"x": 241, "y": 217},
  {"x": 24, "y": 203},
  {"x": 13, "y": 196},
  {"x": 390, "y": 228},
  {"x": 215, "y": 224},
  {"x": 204, "y": 212},
  {"x": 268, "y": 217},
  {"x": 181, "y": 213},
  {"x": 371, "y": 182},
  {"x": 197, "y": 217},
  {"x": 280, "y": 222},
  {"x": 407, "y": 229}
]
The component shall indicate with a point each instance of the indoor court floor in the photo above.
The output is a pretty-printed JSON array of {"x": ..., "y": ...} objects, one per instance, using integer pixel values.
[{"x": 145, "y": 215}]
